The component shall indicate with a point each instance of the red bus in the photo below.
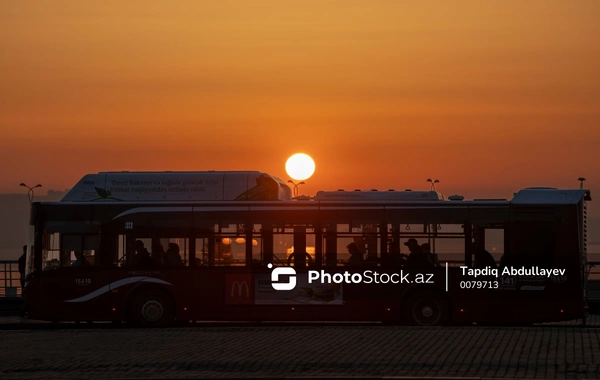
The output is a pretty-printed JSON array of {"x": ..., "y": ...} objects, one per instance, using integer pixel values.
[{"x": 155, "y": 248}]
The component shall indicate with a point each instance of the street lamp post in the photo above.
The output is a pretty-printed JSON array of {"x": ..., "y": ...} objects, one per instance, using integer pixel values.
[
  {"x": 432, "y": 183},
  {"x": 296, "y": 186},
  {"x": 581, "y": 180},
  {"x": 30, "y": 192}
]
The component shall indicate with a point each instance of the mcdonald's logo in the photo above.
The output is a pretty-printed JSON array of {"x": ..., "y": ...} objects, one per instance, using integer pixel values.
[
  {"x": 239, "y": 289},
  {"x": 240, "y": 286}
]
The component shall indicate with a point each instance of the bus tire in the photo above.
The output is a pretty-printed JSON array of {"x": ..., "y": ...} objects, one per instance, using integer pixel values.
[
  {"x": 152, "y": 308},
  {"x": 426, "y": 309}
]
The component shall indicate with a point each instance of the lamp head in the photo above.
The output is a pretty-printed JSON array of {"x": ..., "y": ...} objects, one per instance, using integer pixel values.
[
  {"x": 22, "y": 184},
  {"x": 38, "y": 185},
  {"x": 301, "y": 183}
]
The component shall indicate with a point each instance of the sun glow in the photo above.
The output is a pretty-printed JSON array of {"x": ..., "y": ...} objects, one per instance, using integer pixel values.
[{"x": 300, "y": 166}]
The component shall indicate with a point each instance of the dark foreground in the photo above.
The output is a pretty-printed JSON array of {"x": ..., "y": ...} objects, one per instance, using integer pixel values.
[{"x": 280, "y": 350}]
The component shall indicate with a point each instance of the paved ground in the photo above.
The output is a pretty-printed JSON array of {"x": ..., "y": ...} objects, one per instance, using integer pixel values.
[{"x": 567, "y": 351}]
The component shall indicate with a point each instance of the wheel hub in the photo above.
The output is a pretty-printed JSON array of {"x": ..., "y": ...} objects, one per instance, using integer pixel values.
[
  {"x": 427, "y": 311},
  {"x": 152, "y": 311}
]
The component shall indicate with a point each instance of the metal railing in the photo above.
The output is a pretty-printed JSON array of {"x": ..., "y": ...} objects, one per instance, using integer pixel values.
[
  {"x": 10, "y": 279},
  {"x": 593, "y": 281},
  {"x": 593, "y": 269}
]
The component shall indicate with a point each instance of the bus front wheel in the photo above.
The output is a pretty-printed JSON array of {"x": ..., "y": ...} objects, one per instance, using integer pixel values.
[
  {"x": 152, "y": 308},
  {"x": 426, "y": 309}
]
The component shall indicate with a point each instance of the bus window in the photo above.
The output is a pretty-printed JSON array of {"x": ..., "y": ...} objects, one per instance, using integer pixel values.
[
  {"x": 221, "y": 251},
  {"x": 288, "y": 241},
  {"x": 393, "y": 244},
  {"x": 168, "y": 252},
  {"x": 357, "y": 243},
  {"x": 79, "y": 250},
  {"x": 283, "y": 245},
  {"x": 51, "y": 251},
  {"x": 447, "y": 241},
  {"x": 121, "y": 251},
  {"x": 126, "y": 249},
  {"x": 494, "y": 243},
  {"x": 90, "y": 248},
  {"x": 203, "y": 252},
  {"x": 153, "y": 252},
  {"x": 227, "y": 250},
  {"x": 304, "y": 244},
  {"x": 224, "y": 246},
  {"x": 442, "y": 242},
  {"x": 343, "y": 238},
  {"x": 369, "y": 241}
]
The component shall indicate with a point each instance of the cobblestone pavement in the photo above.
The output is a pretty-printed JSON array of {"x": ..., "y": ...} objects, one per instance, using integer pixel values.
[{"x": 302, "y": 351}]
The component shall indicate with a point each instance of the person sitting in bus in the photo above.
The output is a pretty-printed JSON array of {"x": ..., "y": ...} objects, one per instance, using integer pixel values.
[
  {"x": 417, "y": 259},
  {"x": 142, "y": 257},
  {"x": 483, "y": 258},
  {"x": 393, "y": 257},
  {"x": 158, "y": 255},
  {"x": 172, "y": 257},
  {"x": 432, "y": 257},
  {"x": 81, "y": 260},
  {"x": 356, "y": 256}
]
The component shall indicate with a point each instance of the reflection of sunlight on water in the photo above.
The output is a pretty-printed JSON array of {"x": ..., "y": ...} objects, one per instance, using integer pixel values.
[
  {"x": 309, "y": 249},
  {"x": 593, "y": 252}
]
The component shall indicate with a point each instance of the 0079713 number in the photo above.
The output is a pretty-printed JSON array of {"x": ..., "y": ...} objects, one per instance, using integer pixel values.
[{"x": 479, "y": 284}]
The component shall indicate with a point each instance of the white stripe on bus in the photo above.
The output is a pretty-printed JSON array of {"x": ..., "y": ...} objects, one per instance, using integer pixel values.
[{"x": 115, "y": 285}]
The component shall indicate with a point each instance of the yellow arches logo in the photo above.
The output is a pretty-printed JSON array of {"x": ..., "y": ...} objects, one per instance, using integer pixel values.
[{"x": 240, "y": 286}]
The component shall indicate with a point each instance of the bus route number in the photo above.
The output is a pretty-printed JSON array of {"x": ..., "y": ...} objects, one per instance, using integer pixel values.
[
  {"x": 129, "y": 225},
  {"x": 83, "y": 281}
]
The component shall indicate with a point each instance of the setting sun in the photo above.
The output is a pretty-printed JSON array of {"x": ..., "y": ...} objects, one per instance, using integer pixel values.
[{"x": 300, "y": 166}]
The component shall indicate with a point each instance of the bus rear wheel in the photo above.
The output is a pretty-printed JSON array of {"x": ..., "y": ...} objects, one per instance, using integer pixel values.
[
  {"x": 426, "y": 309},
  {"x": 152, "y": 308}
]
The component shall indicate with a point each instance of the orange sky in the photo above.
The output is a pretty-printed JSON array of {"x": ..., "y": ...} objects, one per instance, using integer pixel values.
[{"x": 488, "y": 97}]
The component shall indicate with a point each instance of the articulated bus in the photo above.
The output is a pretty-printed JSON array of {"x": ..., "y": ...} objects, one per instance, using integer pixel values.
[{"x": 153, "y": 249}]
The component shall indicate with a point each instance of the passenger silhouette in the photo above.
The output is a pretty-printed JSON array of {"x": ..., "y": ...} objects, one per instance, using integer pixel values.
[
  {"x": 356, "y": 256},
  {"x": 172, "y": 256},
  {"x": 81, "y": 260},
  {"x": 483, "y": 258},
  {"x": 142, "y": 258},
  {"x": 416, "y": 259},
  {"x": 158, "y": 255},
  {"x": 432, "y": 257}
]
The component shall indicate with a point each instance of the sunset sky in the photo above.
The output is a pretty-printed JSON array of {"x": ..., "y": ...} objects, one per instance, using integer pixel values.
[{"x": 486, "y": 96}]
